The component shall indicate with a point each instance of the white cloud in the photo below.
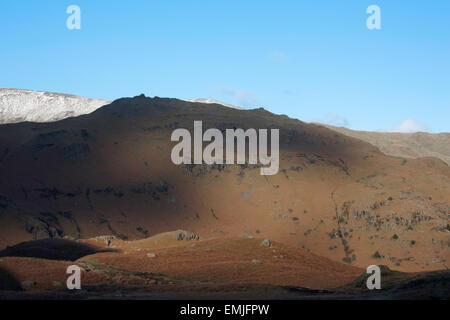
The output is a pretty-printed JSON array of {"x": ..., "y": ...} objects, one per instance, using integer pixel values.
[
  {"x": 409, "y": 125},
  {"x": 333, "y": 120},
  {"x": 241, "y": 97},
  {"x": 277, "y": 56}
]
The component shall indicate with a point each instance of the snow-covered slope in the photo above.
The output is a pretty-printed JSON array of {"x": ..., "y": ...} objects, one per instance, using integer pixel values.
[
  {"x": 211, "y": 101},
  {"x": 37, "y": 106}
]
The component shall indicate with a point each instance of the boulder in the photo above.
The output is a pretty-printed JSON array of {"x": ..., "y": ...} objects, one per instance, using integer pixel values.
[
  {"x": 27, "y": 284},
  {"x": 266, "y": 243},
  {"x": 248, "y": 235}
]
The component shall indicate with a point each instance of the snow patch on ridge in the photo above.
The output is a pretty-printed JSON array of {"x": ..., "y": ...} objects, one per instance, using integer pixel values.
[
  {"x": 18, "y": 105},
  {"x": 212, "y": 101}
]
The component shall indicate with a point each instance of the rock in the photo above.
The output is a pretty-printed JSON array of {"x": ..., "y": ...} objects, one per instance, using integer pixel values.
[
  {"x": 266, "y": 243},
  {"x": 384, "y": 269},
  {"x": 27, "y": 284},
  {"x": 186, "y": 235},
  {"x": 84, "y": 266},
  {"x": 248, "y": 235},
  {"x": 42, "y": 227},
  {"x": 256, "y": 261},
  {"x": 151, "y": 255}
]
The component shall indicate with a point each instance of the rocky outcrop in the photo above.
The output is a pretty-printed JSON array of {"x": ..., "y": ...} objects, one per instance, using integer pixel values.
[
  {"x": 266, "y": 243},
  {"x": 43, "y": 227},
  {"x": 186, "y": 235}
]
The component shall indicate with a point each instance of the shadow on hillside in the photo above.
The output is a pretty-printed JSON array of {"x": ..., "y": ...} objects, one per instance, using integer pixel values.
[
  {"x": 52, "y": 249},
  {"x": 8, "y": 281}
]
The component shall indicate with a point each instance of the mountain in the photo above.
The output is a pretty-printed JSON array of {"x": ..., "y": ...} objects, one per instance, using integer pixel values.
[
  {"x": 37, "y": 106},
  {"x": 18, "y": 105},
  {"x": 407, "y": 145},
  {"x": 110, "y": 173}
]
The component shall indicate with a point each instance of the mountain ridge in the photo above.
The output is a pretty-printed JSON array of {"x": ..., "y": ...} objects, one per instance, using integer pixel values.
[{"x": 407, "y": 145}]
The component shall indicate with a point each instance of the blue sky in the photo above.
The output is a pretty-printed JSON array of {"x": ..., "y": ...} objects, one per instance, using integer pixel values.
[{"x": 311, "y": 60}]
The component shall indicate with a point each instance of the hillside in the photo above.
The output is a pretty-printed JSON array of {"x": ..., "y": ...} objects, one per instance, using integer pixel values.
[
  {"x": 168, "y": 267},
  {"x": 407, "y": 145},
  {"x": 110, "y": 173}
]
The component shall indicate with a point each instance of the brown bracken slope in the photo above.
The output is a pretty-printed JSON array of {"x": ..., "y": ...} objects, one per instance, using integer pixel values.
[{"x": 161, "y": 262}]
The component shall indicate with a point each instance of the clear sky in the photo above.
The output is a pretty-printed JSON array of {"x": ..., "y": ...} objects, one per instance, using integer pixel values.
[{"x": 312, "y": 60}]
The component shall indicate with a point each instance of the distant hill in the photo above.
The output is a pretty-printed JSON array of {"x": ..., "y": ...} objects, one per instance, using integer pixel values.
[
  {"x": 407, "y": 145},
  {"x": 18, "y": 105}
]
